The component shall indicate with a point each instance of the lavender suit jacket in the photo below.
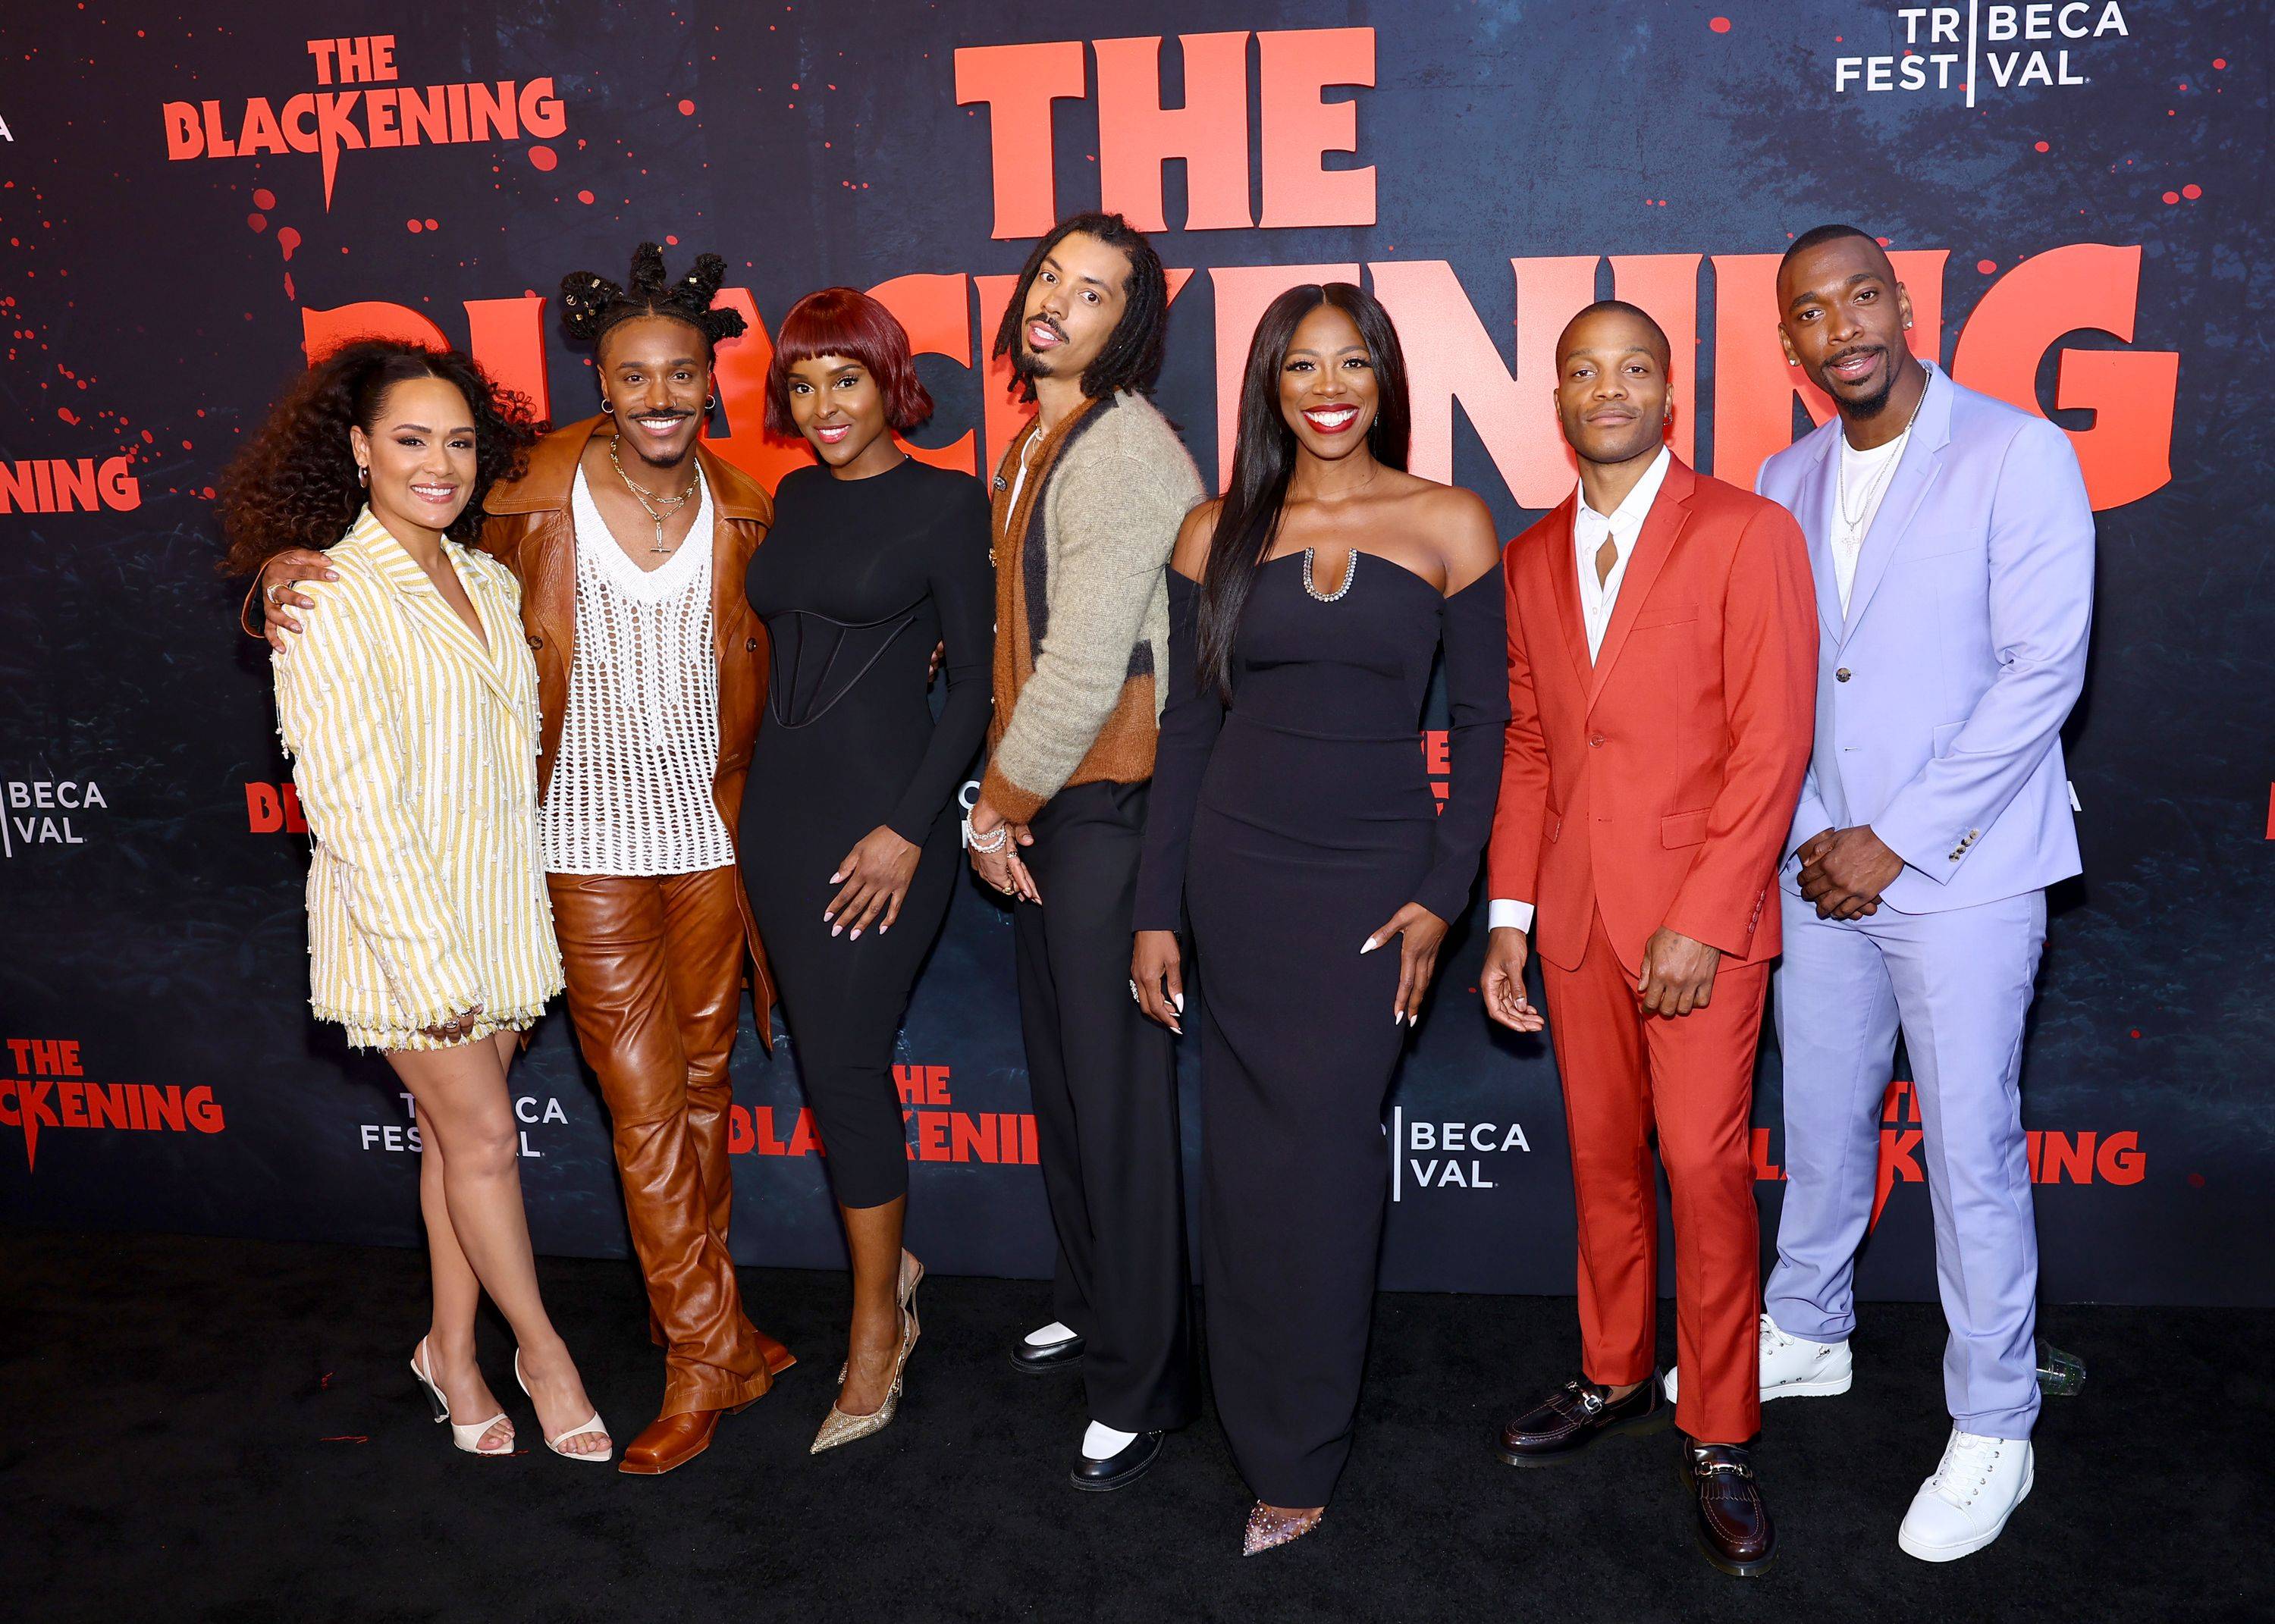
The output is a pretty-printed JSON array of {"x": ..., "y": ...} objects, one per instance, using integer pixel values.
[{"x": 1941, "y": 694}]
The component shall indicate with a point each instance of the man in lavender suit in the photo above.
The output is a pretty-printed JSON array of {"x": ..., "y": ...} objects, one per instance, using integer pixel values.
[{"x": 1952, "y": 544}]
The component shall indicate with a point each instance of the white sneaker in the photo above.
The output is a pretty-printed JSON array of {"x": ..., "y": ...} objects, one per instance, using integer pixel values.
[
  {"x": 1965, "y": 1505},
  {"x": 1793, "y": 1367}
]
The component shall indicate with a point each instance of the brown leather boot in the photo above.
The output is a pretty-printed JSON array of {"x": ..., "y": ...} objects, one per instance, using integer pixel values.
[{"x": 669, "y": 1441}]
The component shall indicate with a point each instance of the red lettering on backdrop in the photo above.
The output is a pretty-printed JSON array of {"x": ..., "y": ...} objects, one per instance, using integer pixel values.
[
  {"x": 507, "y": 336},
  {"x": 1754, "y": 386},
  {"x": 936, "y": 310},
  {"x": 1018, "y": 83},
  {"x": 1449, "y": 357},
  {"x": 740, "y": 370},
  {"x": 2127, "y": 452},
  {"x": 1296, "y": 64},
  {"x": 1666, "y": 285},
  {"x": 1242, "y": 293},
  {"x": 1137, "y": 135}
]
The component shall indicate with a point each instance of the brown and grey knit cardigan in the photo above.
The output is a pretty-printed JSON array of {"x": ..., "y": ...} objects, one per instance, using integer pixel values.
[{"x": 1082, "y": 601}]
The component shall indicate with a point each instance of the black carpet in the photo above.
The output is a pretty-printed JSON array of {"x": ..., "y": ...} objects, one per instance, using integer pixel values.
[{"x": 226, "y": 1429}]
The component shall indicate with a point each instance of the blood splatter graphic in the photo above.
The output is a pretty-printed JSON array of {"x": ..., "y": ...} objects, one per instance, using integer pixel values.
[
  {"x": 1720, "y": 25},
  {"x": 264, "y": 198},
  {"x": 543, "y": 158},
  {"x": 686, "y": 108},
  {"x": 584, "y": 197},
  {"x": 288, "y": 240},
  {"x": 259, "y": 222},
  {"x": 2045, "y": 146},
  {"x": 2192, "y": 193},
  {"x": 1986, "y": 265},
  {"x": 413, "y": 226}
]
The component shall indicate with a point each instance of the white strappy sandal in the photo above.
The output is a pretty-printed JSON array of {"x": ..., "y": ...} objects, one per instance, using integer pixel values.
[
  {"x": 591, "y": 1424},
  {"x": 466, "y": 1438}
]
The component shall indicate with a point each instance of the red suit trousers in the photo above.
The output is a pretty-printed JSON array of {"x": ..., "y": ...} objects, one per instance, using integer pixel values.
[{"x": 1626, "y": 1074}]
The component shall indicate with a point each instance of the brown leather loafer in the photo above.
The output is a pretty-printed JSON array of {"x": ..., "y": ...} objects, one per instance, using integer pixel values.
[
  {"x": 1576, "y": 1418},
  {"x": 669, "y": 1441},
  {"x": 1733, "y": 1520}
]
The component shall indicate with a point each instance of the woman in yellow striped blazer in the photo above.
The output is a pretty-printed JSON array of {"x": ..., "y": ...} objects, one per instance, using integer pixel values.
[{"x": 410, "y": 709}]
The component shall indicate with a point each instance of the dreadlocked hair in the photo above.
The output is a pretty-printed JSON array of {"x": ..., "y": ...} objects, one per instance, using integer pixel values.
[
  {"x": 591, "y": 304},
  {"x": 1131, "y": 359}
]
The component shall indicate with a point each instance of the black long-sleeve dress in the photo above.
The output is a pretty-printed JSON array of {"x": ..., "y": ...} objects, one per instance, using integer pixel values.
[
  {"x": 1293, "y": 822},
  {"x": 856, "y": 580}
]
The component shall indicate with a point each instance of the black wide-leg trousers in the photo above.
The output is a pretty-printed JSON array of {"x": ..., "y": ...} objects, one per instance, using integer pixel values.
[{"x": 1105, "y": 1084}]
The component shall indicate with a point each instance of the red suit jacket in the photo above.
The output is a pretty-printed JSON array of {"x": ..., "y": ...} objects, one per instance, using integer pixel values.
[{"x": 1658, "y": 783}]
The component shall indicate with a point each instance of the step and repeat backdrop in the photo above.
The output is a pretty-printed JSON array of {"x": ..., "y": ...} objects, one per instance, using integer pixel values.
[{"x": 2075, "y": 195}]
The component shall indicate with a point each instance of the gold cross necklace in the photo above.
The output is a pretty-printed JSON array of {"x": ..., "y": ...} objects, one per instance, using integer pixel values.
[{"x": 650, "y": 502}]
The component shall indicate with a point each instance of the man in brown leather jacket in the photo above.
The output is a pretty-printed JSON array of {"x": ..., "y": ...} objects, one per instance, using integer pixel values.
[{"x": 651, "y": 671}]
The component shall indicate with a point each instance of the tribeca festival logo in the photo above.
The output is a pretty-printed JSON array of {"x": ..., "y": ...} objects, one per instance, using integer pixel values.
[
  {"x": 43, "y": 1087},
  {"x": 404, "y": 1137},
  {"x": 41, "y": 812},
  {"x": 1447, "y": 1155},
  {"x": 1951, "y": 46},
  {"x": 379, "y": 113}
]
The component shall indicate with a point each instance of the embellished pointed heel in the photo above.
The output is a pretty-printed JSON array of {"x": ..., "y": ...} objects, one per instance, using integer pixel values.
[
  {"x": 1269, "y": 1528},
  {"x": 839, "y": 1428}
]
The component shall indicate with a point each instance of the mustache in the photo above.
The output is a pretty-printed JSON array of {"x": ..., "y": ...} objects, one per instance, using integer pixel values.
[{"x": 1853, "y": 350}]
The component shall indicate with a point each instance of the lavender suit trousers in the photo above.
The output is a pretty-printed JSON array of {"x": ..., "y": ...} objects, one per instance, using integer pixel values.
[{"x": 1958, "y": 984}]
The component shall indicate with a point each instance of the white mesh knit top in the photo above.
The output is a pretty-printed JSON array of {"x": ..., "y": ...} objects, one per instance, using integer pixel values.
[{"x": 631, "y": 791}]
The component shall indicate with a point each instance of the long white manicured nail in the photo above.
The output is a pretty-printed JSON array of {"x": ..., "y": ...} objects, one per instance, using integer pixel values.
[
  {"x": 1179, "y": 999},
  {"x": 1370, "y": 945}
]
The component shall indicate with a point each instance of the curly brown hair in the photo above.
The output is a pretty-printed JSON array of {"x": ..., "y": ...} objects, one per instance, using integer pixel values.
[{"x": 294, "y": 484}]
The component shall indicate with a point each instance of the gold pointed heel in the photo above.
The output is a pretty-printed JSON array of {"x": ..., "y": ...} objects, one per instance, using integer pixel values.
[
  {"x": 1269, "y": 1528},
  {"x": 837, "y": 1427}
]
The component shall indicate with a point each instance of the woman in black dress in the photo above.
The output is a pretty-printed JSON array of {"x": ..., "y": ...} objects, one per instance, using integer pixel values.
[
  {"x": 849, "y": 833},
  {"x": 1292, "y": 820}
]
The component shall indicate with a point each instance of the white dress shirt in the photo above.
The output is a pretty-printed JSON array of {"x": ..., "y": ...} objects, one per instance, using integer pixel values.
[{"x": 1598, "y": 599}]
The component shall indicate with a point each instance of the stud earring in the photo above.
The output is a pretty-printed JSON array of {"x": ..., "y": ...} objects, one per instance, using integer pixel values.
[
  {"x": 1791, "y": 362},
  {"x": 363, "y": 475}
]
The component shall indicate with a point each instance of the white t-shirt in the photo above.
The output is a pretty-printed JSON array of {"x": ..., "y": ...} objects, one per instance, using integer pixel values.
[{"x": 1864, "y": 479}]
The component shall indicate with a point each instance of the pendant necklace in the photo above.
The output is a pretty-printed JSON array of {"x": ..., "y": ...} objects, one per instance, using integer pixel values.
[{"x": 654, "y": 506}]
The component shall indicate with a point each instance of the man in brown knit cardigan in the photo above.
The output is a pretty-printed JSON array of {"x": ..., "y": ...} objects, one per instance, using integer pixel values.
[{"x": 1087, "y": 504}]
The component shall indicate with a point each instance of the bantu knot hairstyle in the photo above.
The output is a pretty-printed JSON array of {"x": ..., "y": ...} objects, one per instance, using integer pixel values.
[{"x": 591, "y": 304}]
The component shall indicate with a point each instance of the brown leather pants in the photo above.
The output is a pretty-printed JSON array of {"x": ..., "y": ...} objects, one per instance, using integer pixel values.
[{"x": 655, "y": 970}]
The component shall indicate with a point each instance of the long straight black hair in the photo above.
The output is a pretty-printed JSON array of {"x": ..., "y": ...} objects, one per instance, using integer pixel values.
[{"x": 1263, "y": 455}]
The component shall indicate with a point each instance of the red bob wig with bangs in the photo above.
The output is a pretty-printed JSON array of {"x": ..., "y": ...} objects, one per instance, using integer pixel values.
[{"x": 846, "y": 322}]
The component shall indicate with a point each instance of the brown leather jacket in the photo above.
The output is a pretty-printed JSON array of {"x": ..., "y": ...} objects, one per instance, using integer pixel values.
[{"x": 531, "y": 531}]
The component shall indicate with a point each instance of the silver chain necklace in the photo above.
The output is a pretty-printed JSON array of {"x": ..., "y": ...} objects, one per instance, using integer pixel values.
[{"x": 1880, "y": 477}]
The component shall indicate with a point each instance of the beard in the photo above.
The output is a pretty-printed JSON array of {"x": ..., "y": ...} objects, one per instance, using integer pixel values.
[{"x": 1871, "y": 406}]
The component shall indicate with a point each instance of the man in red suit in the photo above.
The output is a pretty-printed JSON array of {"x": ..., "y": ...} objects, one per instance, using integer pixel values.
[{"x": 1662, "y": 649}]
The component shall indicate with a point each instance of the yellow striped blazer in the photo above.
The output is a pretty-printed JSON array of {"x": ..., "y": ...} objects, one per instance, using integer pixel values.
[{"x": 415, "y": 751}]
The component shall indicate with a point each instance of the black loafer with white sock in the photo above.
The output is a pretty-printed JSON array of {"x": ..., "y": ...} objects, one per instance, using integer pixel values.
[
  {"x": 1119, "y": 1470},
  {"x": 1047, "y": 1358}
]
